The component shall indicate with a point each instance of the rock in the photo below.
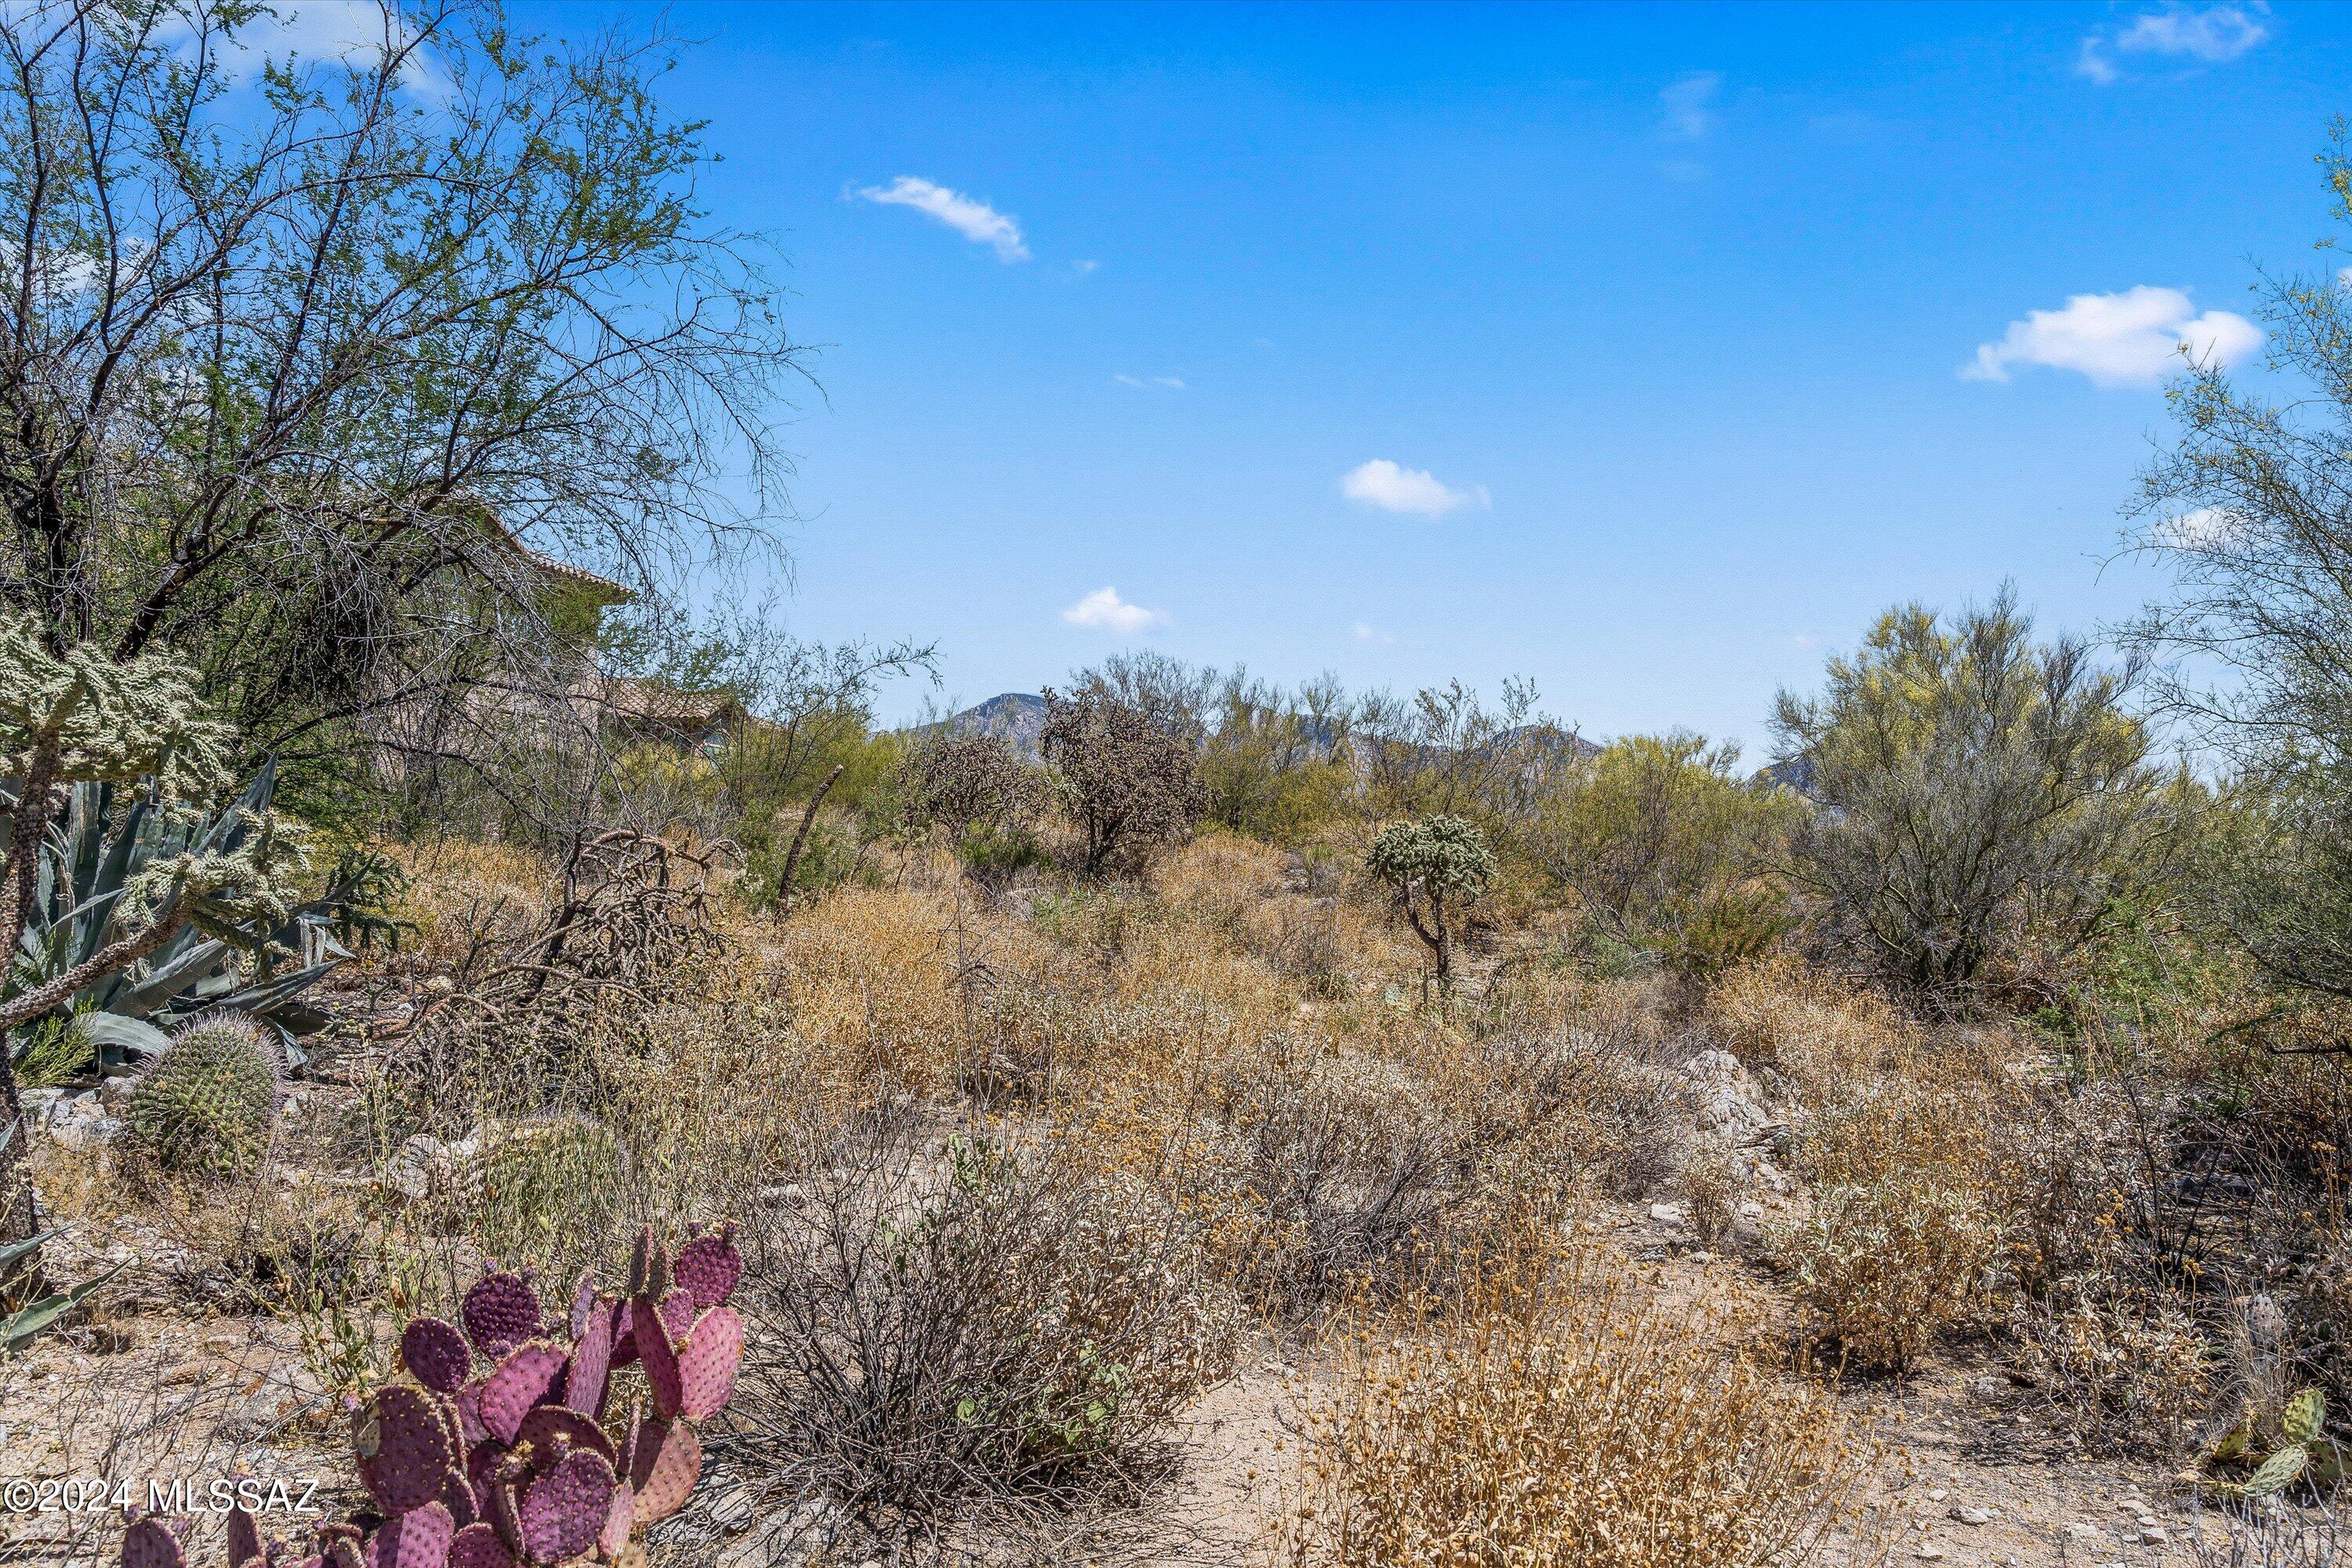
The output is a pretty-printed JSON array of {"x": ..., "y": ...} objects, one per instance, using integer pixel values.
[
  {"x": 116, "y": 1090},
  {"x": 1729, "y": 1105},
  {"x": 40, "y": 1104},
  {"x": 80, "y": 1123},
  {"x": 1666, "y": 1213},
  {"x": 1927, "y": 1551},
  {"x": 2154, "y": 1534},
  {"x": 1967, "y": 1514},
  {"x": 1938, "y": 1494},
  {"x": 425, "y": 1165}
]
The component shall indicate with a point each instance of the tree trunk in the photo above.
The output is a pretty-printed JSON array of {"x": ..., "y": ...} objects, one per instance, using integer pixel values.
[
  {"x": 20, "y": 1219},
  {"x": 800, "y": 842}
]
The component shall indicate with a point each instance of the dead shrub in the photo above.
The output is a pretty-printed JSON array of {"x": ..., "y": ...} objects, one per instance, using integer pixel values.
[
  {"x": 1336, "y": 1170},
  {"x": 2124, "y": 1376},
  {"x": 950, "y": 1325},
  {"x": 1887, "y": 1265},
  {"x": 1335, "y": 1163},
  {"x": 1573, "y": 1424},
  {"x": 1712, "y": 1185}
]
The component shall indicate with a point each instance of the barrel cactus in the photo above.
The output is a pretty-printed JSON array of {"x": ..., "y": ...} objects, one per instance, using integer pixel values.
[{"x": 205, "y": 1104}]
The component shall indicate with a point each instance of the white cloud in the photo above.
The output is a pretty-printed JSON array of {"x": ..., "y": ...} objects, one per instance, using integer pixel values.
[
  {"x": 2208, "y": 34},
  {"x": 1364, "y": 631},
  {"x": 1147, "y": 382},
  {"x": 2131, "y": 339},
  {"x": 308, "y": 32},
  {"x": 1105, "y": 609},
  {"x": 2201, "y": 528},
  {"x": 973, "y": 219},
  {"x": 1084, "y": 267},
  {"x": 1689, "y": 105},
  {"x": 1385, "y": 484}
]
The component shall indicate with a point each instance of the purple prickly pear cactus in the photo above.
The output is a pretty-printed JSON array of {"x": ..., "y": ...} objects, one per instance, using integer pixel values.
[
  {"x": 406, "y": 1442},
  {"x": 435, "y": 1354},
  {"x": 525, "y": 1378},
  {"x": 512, "y": 1469},
  {"x": 150, "y": 1543},
  {"x": 620, "y": 1520},
  {"x": 649, "y": 1266},
  {"x": 586, "y": 1379},
  {"x": 467, "y": 1402},
  {"x": 457, "y": 1497},
  {"x": 479, "y": 1546},
  {"x": 244, "y": 1539},
  {"x": 657, "y": 1349},
  {"x": 710, "y": 1268},
  {"x": 550, "y": 1425},
  {"x": 563, "y": 1512},
  {"x": 665, "y": 1461},
  {"x": 417, "y": 1539},
  {"x": 706, "y": 1362},
  {"x": 500, "y": 1312},
  {"x": 583, "y": 1302}
]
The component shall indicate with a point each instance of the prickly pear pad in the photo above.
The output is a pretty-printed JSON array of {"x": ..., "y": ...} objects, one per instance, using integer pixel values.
[
  {"x": 435, "y": 1354},
  {"x": 500, "y": 1312}
]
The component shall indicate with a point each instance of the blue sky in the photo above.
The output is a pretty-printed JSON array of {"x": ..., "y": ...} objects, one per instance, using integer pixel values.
[{"x": 1645, "y": 351}]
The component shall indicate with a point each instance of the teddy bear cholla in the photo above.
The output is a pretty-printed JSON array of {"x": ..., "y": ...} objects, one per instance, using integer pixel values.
[{"x": 515, "y": 1466}]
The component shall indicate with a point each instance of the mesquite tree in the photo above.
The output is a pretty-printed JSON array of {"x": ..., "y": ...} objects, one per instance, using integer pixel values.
[
  {"x": 329, "y": 371},
  {"x": 1129, "y": 783},
  {"x": 1438, "y": 866}
]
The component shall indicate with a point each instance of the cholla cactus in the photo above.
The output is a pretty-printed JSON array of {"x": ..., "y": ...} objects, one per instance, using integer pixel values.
[
  {"x": 91, "y": 717},
  {"x": 500, "y": 1453},
  {"x": 207, "y": 1102},
  {"x": 1438, "y": 863}
]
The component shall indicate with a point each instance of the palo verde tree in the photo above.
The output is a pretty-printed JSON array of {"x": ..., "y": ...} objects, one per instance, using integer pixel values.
[
  {"x": 329, "y": 373},
  {"x": 1439, "y": 866},
  {"x": 2251, "y": 509},
  {"x": 1985, "y": 804}
]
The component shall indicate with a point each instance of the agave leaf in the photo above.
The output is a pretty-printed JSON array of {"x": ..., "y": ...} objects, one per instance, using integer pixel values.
[
  {"x": 22, "y": 1325},
  {"x": 15, "y": 1249},
  {"x": 2305, "y": 1413},
  {"x": 2278, "y": 1472},
  {"x": 227, "y": 830},
  {"x": 120, "y": 1032},
  {"x": 159, "y": 985}
]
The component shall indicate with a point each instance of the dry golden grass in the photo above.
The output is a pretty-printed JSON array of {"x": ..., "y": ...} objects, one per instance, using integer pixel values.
[{"x": 1562, "y": 1421}]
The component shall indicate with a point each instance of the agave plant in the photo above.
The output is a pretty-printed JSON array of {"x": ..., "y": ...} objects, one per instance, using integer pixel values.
[
  {"x": 18, "y": 1324},
  {"x": 96, "y": 850}
]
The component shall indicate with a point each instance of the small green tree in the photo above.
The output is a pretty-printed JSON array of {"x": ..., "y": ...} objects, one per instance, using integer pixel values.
[
  {"x": 1438, "y": 866},
  {"x": 1985, "y": 803},
  {"x": 1661, "y": 841},
  {"x": 2247, "y": 511}
]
